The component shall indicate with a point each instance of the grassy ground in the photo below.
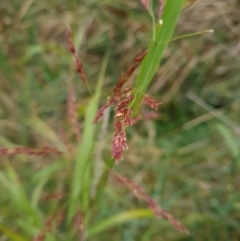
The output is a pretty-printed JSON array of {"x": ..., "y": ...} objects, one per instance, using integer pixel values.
[{"x": 188, "y": 160}]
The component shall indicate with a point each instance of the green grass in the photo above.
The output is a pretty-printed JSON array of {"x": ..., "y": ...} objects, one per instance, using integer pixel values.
[{"x": 188, "y": 160}]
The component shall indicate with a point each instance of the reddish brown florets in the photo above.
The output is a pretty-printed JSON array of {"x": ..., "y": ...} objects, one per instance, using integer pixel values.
[
  {"x": 77, "y": 61},
  {"x": 119, "y": 144},
  {"x": 118, "y": 92},
  {"x": 126, "y": 76},
  {"x": 72, "y": 111},
  {"x": 160, "y": 8},
  {"x": 145, "y": 3},
  {"x": 100, "y": 112},
  {"x": 123, "y": 120},
  {"x": 142, "y": 195},
  {"x": 123, "y": 111},
  {"x": 152, "y": 103}
]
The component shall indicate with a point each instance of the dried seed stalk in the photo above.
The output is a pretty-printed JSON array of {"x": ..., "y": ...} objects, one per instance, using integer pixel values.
[
  {"x": 29, "y": 151},
  {"x": 77, "y": 61},
  {"x": 142, "y": 195},
  {"x": 72, "y": 111}
]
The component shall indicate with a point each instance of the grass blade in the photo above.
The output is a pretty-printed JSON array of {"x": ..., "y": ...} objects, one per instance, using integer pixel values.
[
  {"x": 118, "y": 219},
  {"x": 81, "y": 177},
  {"x": 12, "y": 235},
  {"x": 163, "y": 35}
]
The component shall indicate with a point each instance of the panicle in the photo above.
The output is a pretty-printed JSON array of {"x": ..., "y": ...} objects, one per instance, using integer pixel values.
[
  {"x": 125, "y": 101},
  {"x": 72, "y": 111},
  {"x": 118, "y": 93},
  {"x": 152, "y": 103},
  {"x": 142, "y": 195},
  {"x": 77, "y": 61},
  {"x": 119, "y": 144},
  {"x": 126, "y": 76},
  {"x": 123, "y": 120},
  {"x": 145, "y": 3},
  {"x": 100, "y": 112},
  {"x": 160, "y": 8}
]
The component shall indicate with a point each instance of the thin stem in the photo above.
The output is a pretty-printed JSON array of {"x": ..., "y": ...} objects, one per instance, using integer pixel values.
[{"x": 151, "y": 12}]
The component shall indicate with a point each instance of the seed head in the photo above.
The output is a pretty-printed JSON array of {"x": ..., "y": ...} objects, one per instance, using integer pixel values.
[
  {"x": 142, "y": 195},
  {"x": 152, "y": 103}
]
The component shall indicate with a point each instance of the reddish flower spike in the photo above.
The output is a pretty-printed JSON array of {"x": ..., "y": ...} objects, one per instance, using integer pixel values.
[
  {"x": 119, "y": 144},
  {"x": 100, "y": 112},
  {"x": 142, "y": 195},
  {"x": 77, "y": 61},
  {"x": 160, "y": 8},
  {"x": 145, "y": 3},
  {"x": 72, "y": 111},
  {"x": 123, "y": 120},
  {"x": 117, "y": 91},
  {"x": 152, "y": 103}
]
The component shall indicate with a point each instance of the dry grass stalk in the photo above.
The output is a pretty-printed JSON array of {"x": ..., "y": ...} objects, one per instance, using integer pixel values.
[
  {"x": 100, "y": 112},
  {"x": 77, "y": 61},
  {"x": 142, "y": 195},
  {"x": 72, "y": 111},
  {"x": 29, "y": 151}
]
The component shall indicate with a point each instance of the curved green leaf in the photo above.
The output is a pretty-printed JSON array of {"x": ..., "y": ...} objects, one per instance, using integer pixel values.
[
  {"x": 118, "y": 219},
  {"x": 151, "y": 62}
]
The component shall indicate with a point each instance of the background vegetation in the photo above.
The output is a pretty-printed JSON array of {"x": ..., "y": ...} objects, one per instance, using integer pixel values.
[{"x": 188, "y": 160}]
